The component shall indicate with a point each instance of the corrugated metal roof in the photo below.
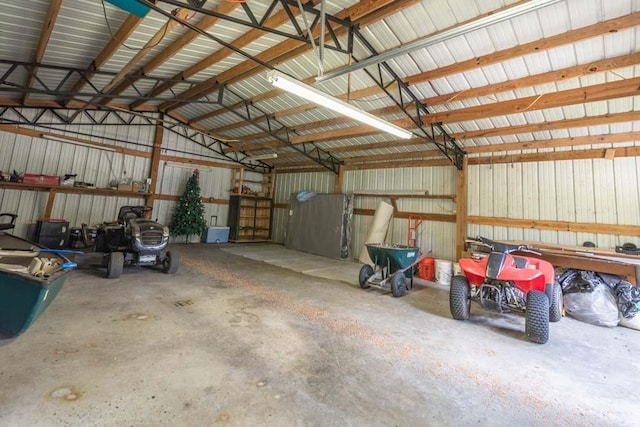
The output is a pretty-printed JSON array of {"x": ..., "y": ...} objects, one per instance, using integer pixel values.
[{"x": 81, "y": 33}]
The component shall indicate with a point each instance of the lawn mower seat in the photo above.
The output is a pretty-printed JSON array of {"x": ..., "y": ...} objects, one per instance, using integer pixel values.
[{"x": 4, "y": 225}]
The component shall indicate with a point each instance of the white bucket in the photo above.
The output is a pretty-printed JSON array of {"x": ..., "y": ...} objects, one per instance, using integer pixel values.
[
  {"x": 444, "y": 270},
  {"x": 457, "y": 271}
]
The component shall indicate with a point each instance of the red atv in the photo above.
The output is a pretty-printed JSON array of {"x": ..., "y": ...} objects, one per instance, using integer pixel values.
[{"x": 505, "y": 282}]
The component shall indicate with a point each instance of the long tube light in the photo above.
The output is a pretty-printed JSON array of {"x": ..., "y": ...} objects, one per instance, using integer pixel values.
[
  {"x": 283, "y": 81},
  {"x": 262, "y": 156},
  {"x": 187, "y": 165},
  {"x": 445, "y": 35},
  {"x": 71, "y": 141}
]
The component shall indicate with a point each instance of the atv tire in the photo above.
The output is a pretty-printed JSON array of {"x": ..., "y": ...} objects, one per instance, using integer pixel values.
[
  {"x": 537, "y": 317},
  {"x": 171, "y": 263},
  {"x": 365, "y": 273},
  {"x": 555, "y": 308},
  {"x": 460, "y": 298},
  {"x": 115, "y": 265},
  {"x": 397, "y": 284}
]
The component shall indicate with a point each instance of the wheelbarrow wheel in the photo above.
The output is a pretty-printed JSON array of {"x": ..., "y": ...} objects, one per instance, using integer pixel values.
[
  {"x": 397, "y": 284},
  {"x": 365, "y": 273}
]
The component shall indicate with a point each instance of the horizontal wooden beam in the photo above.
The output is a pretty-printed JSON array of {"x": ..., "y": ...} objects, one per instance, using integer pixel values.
[
  {"x": 577, "y": 227},
  {"x": 98, "y": 145},
  {"x": 63, "y": 189},
  {"x": 173, "y": 198},
  {"x": 301, "y": 170},
  {"x": 400, "y": 195},
  {"x": 396, "y": 215},
  {"x": 405, "y": 215},
  {"x": 597, "y": 153}
]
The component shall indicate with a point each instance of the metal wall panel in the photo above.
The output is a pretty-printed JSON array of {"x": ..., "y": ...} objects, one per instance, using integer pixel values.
[
  {"x": 597, "y": 191},
  {"x": 437, "y": 237},
  {"x": 100, "y": 167},
  {"x": 433, "y": 236}
]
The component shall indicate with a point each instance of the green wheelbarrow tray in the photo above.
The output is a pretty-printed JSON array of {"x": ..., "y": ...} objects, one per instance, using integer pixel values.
[
  {"x": 394, "y": 257},
  {"x": 392, "y": 264}
]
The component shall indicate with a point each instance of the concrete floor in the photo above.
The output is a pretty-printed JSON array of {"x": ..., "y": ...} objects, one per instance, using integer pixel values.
[{"x": 233, "y": 341}]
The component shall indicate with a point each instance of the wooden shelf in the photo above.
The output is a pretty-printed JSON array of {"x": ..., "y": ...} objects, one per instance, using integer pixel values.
[
  {"x": 249, "y": 218},
  {"x": 70, "y": 190},
  {"x": 54, "y": 189}
]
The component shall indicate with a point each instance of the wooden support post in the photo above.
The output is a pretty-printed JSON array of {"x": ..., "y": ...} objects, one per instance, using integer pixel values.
[
  {"x": 461, "y": 208},
  {"x": 154, "y": 166},
  {"x": 337, "y": 186},
  {"x": 50, "y": 200},
  {"x": 269, "y": 184}
]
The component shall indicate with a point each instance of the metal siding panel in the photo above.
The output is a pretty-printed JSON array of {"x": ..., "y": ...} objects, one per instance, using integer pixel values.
[
  {"x": 485, "y": 203},
  {"x": 514, "y": 191},
  {"x": 626, "y": 190},
  {"x": 547, "y": 194},
  {"x": 605, "y": 192},
  {"x": 499, "y": 191},
  {"x": 584, "y": 193},
  {"x": 564, "y": 196}
]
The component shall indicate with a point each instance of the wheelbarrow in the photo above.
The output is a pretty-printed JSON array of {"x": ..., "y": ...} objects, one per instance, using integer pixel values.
[{"x": 392, "y": 265}]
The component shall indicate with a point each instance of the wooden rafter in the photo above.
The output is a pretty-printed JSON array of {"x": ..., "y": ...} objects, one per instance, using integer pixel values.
[
  {"x": 45, "y": 35},
  {"x": 166, "y": 29},
  {"x": 180, "y": 43},
  {"x": 122, "y": 34},
  {"x": 605, "y": 119}
]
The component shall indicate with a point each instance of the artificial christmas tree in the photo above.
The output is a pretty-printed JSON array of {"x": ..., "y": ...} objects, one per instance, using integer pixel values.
[{"x": 188, "y": 218}]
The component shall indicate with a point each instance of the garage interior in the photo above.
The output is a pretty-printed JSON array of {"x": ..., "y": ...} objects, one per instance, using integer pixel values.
[{"x": 517, "y": 121}]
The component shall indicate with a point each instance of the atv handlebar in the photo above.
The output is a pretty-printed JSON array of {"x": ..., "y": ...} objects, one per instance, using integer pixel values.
[{"x": 504, "y": 247}]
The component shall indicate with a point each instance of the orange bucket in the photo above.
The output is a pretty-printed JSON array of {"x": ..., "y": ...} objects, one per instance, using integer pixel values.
[{"x": 426, "y": 268}]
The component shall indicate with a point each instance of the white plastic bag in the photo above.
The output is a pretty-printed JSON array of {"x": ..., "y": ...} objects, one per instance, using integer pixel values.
[
  {"x": 633, "y": 323},
  {"x": 597, "y": 307}
]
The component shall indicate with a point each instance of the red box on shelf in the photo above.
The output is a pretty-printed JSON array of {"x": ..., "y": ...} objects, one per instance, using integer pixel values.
[{"x": 40, "y": 179}]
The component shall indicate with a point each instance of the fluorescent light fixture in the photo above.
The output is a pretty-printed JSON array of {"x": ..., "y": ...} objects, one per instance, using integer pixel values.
[
  {"x": 263, "y": 156},
  {"x": 283, "y": 81},
  {"x": 443, "y": 36},
  {"x": 201, "y": 168},
  {"x": 71, "y": 141}
]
